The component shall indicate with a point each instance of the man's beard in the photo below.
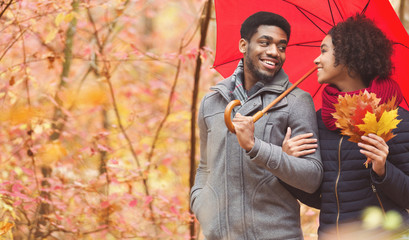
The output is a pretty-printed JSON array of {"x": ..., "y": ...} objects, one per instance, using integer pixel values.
[{"x": 264, "y": 78}]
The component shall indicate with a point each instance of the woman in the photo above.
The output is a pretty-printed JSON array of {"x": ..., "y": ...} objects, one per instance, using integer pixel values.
[{"x": 356, "y": 56}]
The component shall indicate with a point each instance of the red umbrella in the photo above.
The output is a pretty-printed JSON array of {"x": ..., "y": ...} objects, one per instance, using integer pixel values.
[{"x": 310, "y": 21}]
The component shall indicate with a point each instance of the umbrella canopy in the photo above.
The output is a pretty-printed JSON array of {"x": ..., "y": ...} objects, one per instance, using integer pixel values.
[{"x": 310, "y": 21}]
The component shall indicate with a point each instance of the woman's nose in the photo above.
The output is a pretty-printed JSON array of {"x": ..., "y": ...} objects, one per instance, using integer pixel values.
[{"x": 317, "y": 60}]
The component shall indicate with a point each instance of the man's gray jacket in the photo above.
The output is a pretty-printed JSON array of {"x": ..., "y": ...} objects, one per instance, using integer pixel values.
[{"x": 237, "y": 194}]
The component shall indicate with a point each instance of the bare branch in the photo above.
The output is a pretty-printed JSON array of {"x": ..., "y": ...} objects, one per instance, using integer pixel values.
[
  {"x": 106, "y": 73},
  {"x": 171, "y": 93},
  {"x": 5, "y": 8},
  {"x": 12, "y": 43}
]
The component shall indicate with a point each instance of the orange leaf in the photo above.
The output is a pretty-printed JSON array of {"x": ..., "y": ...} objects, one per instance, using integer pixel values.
[{"x": 361, "y": 114}]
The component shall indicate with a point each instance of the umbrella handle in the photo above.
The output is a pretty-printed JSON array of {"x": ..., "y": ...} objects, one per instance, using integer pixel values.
[
  {"x": 259, "y": 114},
  {"x": 227, "y": 114}
]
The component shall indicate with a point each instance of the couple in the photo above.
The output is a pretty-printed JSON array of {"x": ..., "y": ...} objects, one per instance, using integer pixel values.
[{"x": 247, "y": 184}]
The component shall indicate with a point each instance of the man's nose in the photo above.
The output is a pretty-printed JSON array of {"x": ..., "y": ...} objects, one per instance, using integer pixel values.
[{"x": 272, "y": 49}]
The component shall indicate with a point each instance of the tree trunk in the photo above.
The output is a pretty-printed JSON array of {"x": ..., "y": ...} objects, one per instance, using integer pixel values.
[
  {"x": 205, "y": 19},
  {"x": 58, "y": 121}
]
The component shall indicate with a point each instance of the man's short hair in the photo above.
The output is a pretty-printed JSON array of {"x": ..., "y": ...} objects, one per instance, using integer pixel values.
[{"x": 250, "y": 25}]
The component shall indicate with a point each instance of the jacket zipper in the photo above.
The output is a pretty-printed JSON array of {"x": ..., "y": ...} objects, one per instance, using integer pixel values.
[
  {"x": 336, "y": 185},
  {"x": 379, "y": 199}
]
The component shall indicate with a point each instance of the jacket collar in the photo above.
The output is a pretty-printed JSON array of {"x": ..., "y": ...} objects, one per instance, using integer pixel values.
[{"x": 278, "y": 85}]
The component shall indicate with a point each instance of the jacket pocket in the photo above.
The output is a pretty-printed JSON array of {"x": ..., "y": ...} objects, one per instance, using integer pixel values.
[
  {"x": 276, "y": 213},
  {"x": 207, "y": 210},
  {"x": 274, "y": 127}
]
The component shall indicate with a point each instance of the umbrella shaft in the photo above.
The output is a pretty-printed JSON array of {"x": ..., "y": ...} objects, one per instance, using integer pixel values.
[{"x": 259, "y": 114}]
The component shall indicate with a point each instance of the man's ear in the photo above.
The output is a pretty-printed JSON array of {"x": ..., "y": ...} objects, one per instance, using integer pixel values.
[{"x": 243, "y": 45}]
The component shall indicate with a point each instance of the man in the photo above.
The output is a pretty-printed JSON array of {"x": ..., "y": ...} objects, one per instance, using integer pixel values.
[{"x": 237, "y": 192}]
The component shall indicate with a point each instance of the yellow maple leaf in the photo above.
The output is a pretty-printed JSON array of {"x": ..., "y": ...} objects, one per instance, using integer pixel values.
[
  {"x": 370, "y": 124},
  {"x": 386, "y": 123}
]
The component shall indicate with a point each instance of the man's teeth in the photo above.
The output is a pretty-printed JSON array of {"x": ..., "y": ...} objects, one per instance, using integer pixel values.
[{"x": 269, "y": 63}]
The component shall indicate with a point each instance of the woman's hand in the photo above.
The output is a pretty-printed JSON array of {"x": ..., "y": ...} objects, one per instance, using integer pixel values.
[
  {"x": 300, "y": 145},
  {"x": 377, "y": 150}
]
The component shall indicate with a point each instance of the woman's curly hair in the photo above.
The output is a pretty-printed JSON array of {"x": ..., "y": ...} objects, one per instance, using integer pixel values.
[{"x": 363, "y": 48}]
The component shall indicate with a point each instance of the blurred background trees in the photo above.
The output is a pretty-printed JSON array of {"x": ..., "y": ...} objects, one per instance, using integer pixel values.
[{"x": 98, "y": 109}]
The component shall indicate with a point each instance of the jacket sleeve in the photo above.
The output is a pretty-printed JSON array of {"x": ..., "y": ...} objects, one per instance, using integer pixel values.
[
  {"x": 304, "y": 173},
  {"x": 202, "y": 170},
  {"x": 395, "y": 184},
  {"x": 309, "y": 199}
]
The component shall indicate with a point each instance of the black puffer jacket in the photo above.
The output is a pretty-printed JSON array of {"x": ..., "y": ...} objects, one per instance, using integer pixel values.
[{"x": 348, "y": 187}]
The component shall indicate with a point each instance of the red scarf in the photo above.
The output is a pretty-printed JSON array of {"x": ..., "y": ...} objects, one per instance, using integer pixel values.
[{"x": 384, "y": 89}]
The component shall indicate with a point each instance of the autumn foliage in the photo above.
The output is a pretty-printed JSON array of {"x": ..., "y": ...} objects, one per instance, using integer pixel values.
[
  {"x": 95, "y": 114},
  {"x": 361, "y": 114},
  {"x": 96, "y": 104}
]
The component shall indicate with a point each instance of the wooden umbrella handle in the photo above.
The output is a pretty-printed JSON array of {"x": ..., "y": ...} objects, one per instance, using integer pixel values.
[
  {"x": 259, "y": 114},
  {"x": 227, "y": 114}
]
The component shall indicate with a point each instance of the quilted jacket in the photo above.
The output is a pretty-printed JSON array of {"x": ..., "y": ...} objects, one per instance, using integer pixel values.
[{"x": 348, "y": 186}]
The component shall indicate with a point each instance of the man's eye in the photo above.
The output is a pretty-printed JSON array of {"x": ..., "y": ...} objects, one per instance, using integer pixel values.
[
  {"x": 264, "y": 44},
  {"x": 282, "y": 48}
]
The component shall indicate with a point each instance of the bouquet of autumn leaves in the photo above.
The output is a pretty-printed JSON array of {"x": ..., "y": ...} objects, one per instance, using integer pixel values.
[{"x": 361, "y": 114}]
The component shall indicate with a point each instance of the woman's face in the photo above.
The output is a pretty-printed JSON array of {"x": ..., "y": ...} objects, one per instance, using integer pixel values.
[{"x": 327, "y": 71}]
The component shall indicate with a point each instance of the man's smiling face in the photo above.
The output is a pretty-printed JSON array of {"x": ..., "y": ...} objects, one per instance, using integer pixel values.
[{"x": 264, "y": 55}]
